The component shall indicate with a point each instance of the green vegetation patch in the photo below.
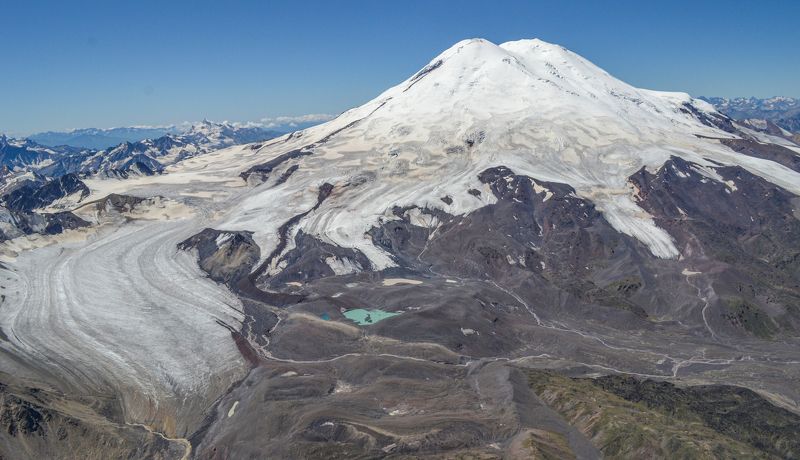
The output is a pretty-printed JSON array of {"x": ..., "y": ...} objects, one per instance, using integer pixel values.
[
  {"x": 615, "y": 295},
  {"x": 625, "y": 287},
  {"x": 623, "y": 429},
  {"x": 748, "y": 316},
  {"x": 736, "y": 412}
]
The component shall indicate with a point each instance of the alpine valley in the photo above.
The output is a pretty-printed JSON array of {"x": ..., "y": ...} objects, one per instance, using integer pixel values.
[{"x": 510, "y": 254}]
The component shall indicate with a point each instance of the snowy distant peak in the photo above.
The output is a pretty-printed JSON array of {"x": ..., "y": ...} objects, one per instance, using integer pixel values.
[
  {"x": 207, "y": 127},
  {"x": 753, "y": 104},
  {"x": 782, "y": 112},
  {"x": 210, "y": 130},
  {"x": 151, "y": 156},
  {"x": 16, "y": 154},
  {"x": 225, "y": 134},
  {"x": 101, "y": 138}
]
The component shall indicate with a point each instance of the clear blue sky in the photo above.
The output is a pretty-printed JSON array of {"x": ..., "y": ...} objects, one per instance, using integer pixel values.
[{"x": 70, "y": 64}]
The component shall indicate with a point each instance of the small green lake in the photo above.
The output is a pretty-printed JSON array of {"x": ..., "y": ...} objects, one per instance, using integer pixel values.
[{"x": 366, "y": 317}]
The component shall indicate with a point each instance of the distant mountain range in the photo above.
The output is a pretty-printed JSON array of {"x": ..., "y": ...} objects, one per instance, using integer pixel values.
[
  {"x": 25, "y": 153},
  {"x": 98, "y": 139},
  {"x": 783, "y": 112},
  {"x": 104, "y": 138},
  {"x": 143, "y": 156},
  {"x": 34, "y": 177},
  {"x": 150, "y": 156}
]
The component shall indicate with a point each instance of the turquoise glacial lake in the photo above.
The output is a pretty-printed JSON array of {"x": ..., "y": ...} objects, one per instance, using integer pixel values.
[{"x": 366, "y": 317}]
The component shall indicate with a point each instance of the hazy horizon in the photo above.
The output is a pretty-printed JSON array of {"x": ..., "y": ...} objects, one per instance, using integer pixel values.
[{"x": 102, "y": 65}]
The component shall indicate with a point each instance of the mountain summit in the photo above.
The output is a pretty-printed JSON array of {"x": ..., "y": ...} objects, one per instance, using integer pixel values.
[{"x": 529, "y": 105}]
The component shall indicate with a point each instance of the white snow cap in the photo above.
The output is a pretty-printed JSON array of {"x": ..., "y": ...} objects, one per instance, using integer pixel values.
[{"x": 535, "y": 107}]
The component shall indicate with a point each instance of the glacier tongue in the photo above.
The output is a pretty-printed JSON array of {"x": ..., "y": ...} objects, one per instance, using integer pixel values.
[{"x": 125, "y": 310}]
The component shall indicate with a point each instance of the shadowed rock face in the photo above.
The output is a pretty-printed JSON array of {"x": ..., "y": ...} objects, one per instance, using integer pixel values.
[
  {"x": 53, "y": 223},
  {"x": 745, "y": 226},
  {"x": 552, "y": 239},
  {"x": 20, "y": 223},
  {"x": 21, "y": 204},
  {"x": 226, "y": 256},
  {"x": 312, "y": 259},
  {"x": 11, "y": 155},
  {"x": 711, "y": 119},
  {"x": 776, "y": 153},
  {"x": 34, "y": 196}
]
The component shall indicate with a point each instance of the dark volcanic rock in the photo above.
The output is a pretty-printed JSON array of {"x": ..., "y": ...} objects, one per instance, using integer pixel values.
[
  {"x": 744, "y": 219},
  {"x": 312, "y": 259},
  {"x": 776, "y": 153},
  {"x": 118, "y": 203},
  {"x": 551, "y": 240},
  {"x": 21, "y": 418},
  {"x": 38, "y": 423},
  {"x": 262, "y": 172},
  {"x": 227, "y": 257},
  {"x": 283, "y": 231},
  {"x": 746, "y": 223},
  {"x": 711, "y": 119},
  {"x": 34, "y": 196}
]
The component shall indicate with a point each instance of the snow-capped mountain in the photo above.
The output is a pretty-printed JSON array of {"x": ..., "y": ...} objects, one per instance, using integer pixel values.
[
  {"x": 221, "y": 135},
  {"x": 753, "y": 107},
  {"x": 534, "y": 107},
  {"x": 769, "y": 115},
  {"x": 150, "y": 156},
  {"x": 20, "y": 154},
  {"x": 100, "y": 138},
  {"x": 509, "y": 201},
  {"x": 392, "y": 282},
  {"x": 106, "y": 138},
  {"x": 35, "y": 178}
]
